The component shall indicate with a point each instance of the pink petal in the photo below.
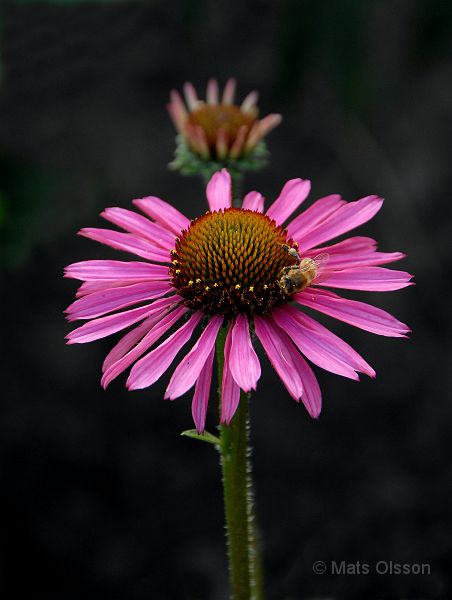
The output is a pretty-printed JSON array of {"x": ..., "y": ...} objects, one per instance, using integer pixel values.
[
  {"x": 150, "y": 368},
  {"x": 177, "y": 110},
  {"x": 158, "y": 329},
  {"x": 100, "y": 328},
  {"x": 164, "y": 213},
  {"x": 230, "y": 391},
  {"x": 292, "y": 195},
  {"x": 105, "y": 301},
  {"x": 229, "y": 91},
  {"x": 219, "y": 191},
  {"x": 372, "y": 279},
  {"x": 188, "y": 370},
  {"x": 126, "y": 241},
  {"x": 108, "y": 270},
  {"x": 139, "y": 225},
  {"x": 201, "y": 396},
  {"x": 253, "y": 201},
  {"x": 212, "y": 92},
  {"x": 320, "y": 345},
  {"x": 250, "y": 101},
  {"x": 159, "y": 310},
  {"x": 352, "y": 245},
  {"x": 312, "y": 396},
  {"x": 90, "y": 287},
  {"x": 312, "y": 216},
  {"x": 277, "y": 347},
  {"x": 342, "y": 220},
  {"x": 356, "y": 252},
  {"x": 190, "y": 96},
  {"x": 243, "y": 361},
  {"x": 362, "y": 315}
]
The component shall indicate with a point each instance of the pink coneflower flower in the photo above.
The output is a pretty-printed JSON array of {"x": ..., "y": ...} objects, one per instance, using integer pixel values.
[
  {"x": 237, "y": 266},
  {"x": 219, "y": 129}
]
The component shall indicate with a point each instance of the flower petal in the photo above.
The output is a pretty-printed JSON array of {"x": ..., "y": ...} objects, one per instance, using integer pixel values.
[
  {"x": 312, "y": 395},
  {"x": 160, "y": 308},
  {"x": 202, "y": 391},
  {"x": 212, "y": 94},
  {"x": 230, "y": 391},
  {"x": 157, "y": 330},
  {"x": 188, "y": 370},
  {"x": 359, "y": 314},
  {"x": 253, "y": 201},
  {"x": 139, "y": 225},
  {"x": 229, "y": 91},
  {"x": 150, "y": 368},
  {"x": 164, "y": 213},
  {"x": 277, "y": 347},
  {"x": 243, "y": 361},
  {"x": 126, "y": 241},
  {"x": 219, "y": 191},
  {"x": 110, "y": 270},
  {"x": 372, "y": 279},
  {"x": 294, "y": 192},
  {"x": 344, "y": 219},
  {"x": 100, "y": 328},
  {"x": 314, "y": 215},
  {"x": 99, "y": 303},
  {"x": 320, "y": 345}
]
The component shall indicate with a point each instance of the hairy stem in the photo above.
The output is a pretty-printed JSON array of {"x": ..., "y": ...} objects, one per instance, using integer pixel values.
[{"x": 243, "y": 554}]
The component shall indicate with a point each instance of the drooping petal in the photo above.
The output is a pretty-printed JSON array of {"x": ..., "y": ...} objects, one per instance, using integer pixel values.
[
  {"x": 134, "y": 223},
  {"x": 201, "y": 396},
  {"x": 190, "y": 96},
  {"x": 110, "y": 270},
  {"x": 277, "y": 347},
  {"x": 160, "y": 308},
  {"x": 312, "y": 395},
  {"x": 243, "y": 361},
  {"x": 150, "y": 368},
  {"x": 126, "y": 241},
  {"x": 99, "y": 303},
  {"x": 320, "y": 345},
  {"x": 230, "y": 391},
  {"x": 362, "y": 315},
  {"x": 355, "y": 252},
  {"x": 157, "y": 330},
  {"x": 219, "y": 191},
  {"x": 188, "y": 370},
  {"x": 292, "y": 195},
  {"x": 344, "y": 219},
  {"x": 372, "y": 279},
  {"x": 253, "y": 201},
  {"x": 104, "y": 326},
  {"x": 177, "y": 110},
  {"x": 163, "y": 213},
  {"x": 312, "y": 216}
]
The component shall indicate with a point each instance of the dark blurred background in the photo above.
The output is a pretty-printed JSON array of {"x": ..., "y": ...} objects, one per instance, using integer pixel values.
[{"x": 100, "y": 496}]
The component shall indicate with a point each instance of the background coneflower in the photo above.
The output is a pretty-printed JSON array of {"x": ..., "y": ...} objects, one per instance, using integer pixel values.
[{"x": 217, "y": 132}]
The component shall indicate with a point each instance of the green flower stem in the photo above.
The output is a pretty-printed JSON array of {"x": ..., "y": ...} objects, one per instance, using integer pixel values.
[{"x": 243, "y": 554}]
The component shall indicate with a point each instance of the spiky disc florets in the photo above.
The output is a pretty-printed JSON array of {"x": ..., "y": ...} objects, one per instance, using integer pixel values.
[{"x": 229, "y": 262}]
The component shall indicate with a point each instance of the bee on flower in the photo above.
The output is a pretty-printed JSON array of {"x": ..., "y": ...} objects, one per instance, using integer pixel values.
[
  {"x": 216, "y": 132},
  {"x": 226, "y": 268}
]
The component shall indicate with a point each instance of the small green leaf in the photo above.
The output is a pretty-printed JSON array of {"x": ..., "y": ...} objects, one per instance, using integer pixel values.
[{"x": 202, "y": 437}]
